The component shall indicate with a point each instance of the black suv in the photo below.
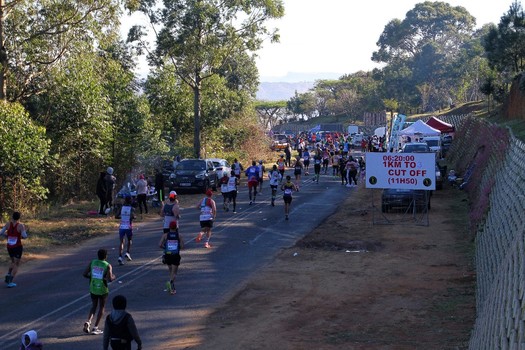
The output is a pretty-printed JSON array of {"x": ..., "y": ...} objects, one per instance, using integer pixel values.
[{"x": 194, "y": 174}]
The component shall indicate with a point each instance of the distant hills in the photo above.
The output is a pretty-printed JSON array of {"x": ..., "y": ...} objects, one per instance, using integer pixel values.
[
  {"x": 283, "y": 87},
  {"x": 279, "y": 91}
]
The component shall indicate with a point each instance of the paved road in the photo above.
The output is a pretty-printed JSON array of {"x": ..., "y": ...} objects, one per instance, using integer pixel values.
[{"x": 52, "y": 296}]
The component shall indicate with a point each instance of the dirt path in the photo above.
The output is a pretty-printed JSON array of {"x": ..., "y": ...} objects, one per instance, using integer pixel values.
[{"x": 412, "y": 289}]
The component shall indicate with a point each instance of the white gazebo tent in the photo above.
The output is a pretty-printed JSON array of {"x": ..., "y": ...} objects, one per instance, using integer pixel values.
[{"x": 416, "y": 132}]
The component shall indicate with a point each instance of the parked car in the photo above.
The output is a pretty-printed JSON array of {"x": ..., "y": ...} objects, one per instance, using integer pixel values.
[
  {"x": 194, "y": 174},
  {"x": 416, "y": 147},
  {"x": 405, "y": 199},
  {"x": 221, "y": 166}
]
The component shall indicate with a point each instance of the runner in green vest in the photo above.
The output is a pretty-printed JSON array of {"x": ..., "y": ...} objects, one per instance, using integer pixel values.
[{"x": 99, "y": 272}]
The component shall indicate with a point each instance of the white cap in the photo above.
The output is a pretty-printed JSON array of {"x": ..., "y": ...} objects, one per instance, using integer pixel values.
[
  {"x": 109, "y": 170},
  {"x": 173, "y": 194}
]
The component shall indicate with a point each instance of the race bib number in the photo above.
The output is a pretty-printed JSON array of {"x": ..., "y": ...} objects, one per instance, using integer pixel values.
[
  {"x": 172, "y": 245},
  {"x": 97, "y": 272},
  {"x": 11, "y": 240}
]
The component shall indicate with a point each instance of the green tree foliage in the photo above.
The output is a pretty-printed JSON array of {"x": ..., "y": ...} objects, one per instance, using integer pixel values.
[
  {"x": 204, "y": 38},
  {"x": 303, "y": 105},
  {"x": 505, "y": 44},
  {"x": 36, "y": 35},
  {"x": 22, "y": 158},
  {"x": 420, "y": 52}
]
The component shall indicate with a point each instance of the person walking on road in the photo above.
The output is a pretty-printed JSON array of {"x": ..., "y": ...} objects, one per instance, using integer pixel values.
[
  {"x": 281, "y": 164},
  {"x": 351, "y": 172},
  {"x": 275, "y": 179},
  {"x": 237, "y": 168},
  {"x": 262, "y": 170},
  {"x": 317, "y": 167},
  {"x": 126, "y": 214},
  {"x": 172, "y": 243},
  {"x": 120, "y": 328},
  {"x": 170, "y": 211},
  {"x": 223, "y": 181},
  {"x": 288, "y": 187},
  {"x": 14, "y": 231},
  {"x": 100, "y": 273},
  {"x": 208, "y": 213}
]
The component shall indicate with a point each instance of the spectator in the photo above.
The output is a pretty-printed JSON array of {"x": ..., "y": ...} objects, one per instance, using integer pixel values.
[{"x": 120, "y": 328}]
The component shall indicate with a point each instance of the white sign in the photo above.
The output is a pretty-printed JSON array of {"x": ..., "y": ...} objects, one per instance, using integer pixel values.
[{"x": 416, "y": 171}]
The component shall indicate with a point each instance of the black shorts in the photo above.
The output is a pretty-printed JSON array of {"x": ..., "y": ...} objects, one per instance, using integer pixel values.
[
  {"x": 287, "y": 199},
  {"x": 172, "y": 259},
  {"x": 16, "y": 252},
  {"x": 306, "y": 162},
  {"x": 207, "y": 223},
  {"x": 232, "y": 194},
  {"x": 297, "y": 172}
]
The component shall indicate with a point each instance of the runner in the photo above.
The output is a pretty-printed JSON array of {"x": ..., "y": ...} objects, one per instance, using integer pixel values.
[
  {"x": 126, "y": 214},
  {"x": 335, "y": 164},
  {"x": 237, "y": 168},
  {"x": 317, "y": 167},
  {"x": 170, "y": 211},
  {"x": 351, "y": 172},
  {"x": 14, "y": 231},
  {"x": 262, "y": 170},
  {"x": 288, "y": 187},
  {"x": 342, "y": 169},
  {"x": 172, "y": 243},
  {"x": 306, "y": 161},
  {"x": 275, "y": 179},
  {"x": 223, "y": 181},
  {"x": 252, "y": 173},
  {"x": 208, "y": 213},
  {"x": 281, "y": 165},
  {"x": 100, "y": 273},
  {"x": 120, "y": 328},
  {"x": 298, "y": 167},
  {"x": 326, "y": 159},
  {"x": 233, "y": 183}
]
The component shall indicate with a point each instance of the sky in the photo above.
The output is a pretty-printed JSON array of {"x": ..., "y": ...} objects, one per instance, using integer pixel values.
[{"x": 326, "y": 39}]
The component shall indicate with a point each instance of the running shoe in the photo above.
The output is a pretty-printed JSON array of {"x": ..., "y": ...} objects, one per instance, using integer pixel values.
[
  {"x": 128, "y": 257},
  {"x": 207, "y": 245},
  {"x": 235, "y": 212},
  {"x": 168, "y": 287},
  {"x": 11, "y": 285},
  {"x": 251, "y": 202},
  {"x": 120, "y": 262},
  {"x": 86, "y": 327},
  {"x": 97, "y": 331},
  {"x": 199, "y": 237}
]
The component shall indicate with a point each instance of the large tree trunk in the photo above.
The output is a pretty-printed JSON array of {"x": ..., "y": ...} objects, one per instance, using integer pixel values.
[{"x": 197, "y": 116}]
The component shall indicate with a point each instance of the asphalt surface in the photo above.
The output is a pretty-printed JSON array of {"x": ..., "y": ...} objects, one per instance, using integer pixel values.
[{"x": 52, "y": 296}]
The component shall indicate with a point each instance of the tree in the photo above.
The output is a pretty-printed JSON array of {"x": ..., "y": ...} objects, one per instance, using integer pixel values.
[
  {"x": 199, "y": 37},
  {"x": 420, "y": 51},
  {"x": 505, "y": 44},
  {"x": 303, "y": 105},
  {"x": 36, "y": 35},
  {"x": 22, "y": 158},
  {"x": 270, "y": 112}
]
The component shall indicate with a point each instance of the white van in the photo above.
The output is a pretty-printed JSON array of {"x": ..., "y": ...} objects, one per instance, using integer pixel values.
[{"x": 357, "y": 138}]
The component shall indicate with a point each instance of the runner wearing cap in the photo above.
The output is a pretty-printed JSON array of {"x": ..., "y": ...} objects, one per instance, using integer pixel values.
[
  {"x": 170, "y": 211},
  {"x": 208, "y": 213},
  {"x": 126, "y": 214},
  {"x": 172, "y": 243}
]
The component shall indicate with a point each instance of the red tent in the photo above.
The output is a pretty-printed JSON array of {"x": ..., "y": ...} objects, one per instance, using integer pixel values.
[{"x": 445, "y": 128}]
